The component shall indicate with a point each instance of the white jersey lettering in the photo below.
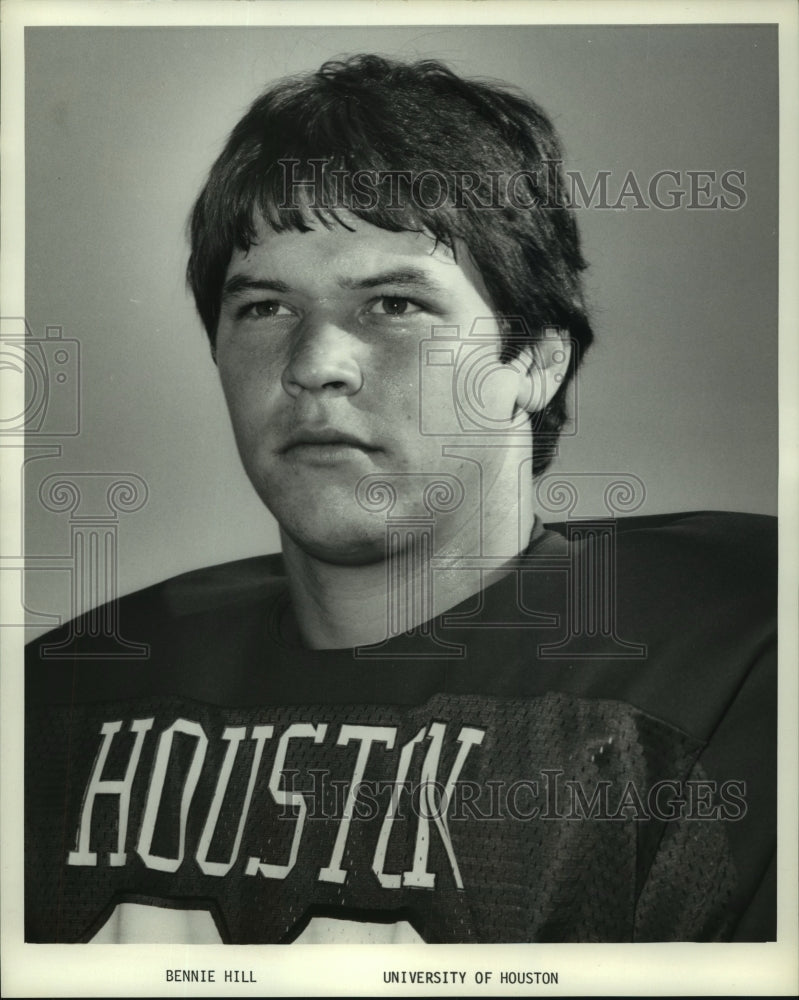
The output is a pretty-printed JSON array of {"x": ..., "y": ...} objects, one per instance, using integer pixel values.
[
  {"x": 97, "y": 786},
  {"x": 234, "y": 735},
  {"x": 419, "y": 877},
  {"x": 394, "y": 881},
  {"x": 367, "y": 735},
  {"x": 300, "y": 730},
  {"x": 143, "y": 849}
]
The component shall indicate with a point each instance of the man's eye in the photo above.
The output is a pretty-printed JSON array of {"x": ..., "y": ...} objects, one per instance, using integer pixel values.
[
  {"x": 264, "y": 310},
  {"x": 395, "y": 305}
]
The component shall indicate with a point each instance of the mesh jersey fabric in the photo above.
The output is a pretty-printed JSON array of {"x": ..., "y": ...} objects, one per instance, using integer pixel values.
[{"x": 499, "y": 777}]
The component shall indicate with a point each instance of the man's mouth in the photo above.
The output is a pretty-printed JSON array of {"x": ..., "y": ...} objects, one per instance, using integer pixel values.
[{"x": 325, "y": 444}]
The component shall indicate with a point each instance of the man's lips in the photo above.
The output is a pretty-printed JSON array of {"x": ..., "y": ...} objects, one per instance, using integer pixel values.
[{"x": 324, "y": 438}]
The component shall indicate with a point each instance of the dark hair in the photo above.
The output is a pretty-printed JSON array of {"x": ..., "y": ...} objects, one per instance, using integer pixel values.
[{"x": 407, "y": 126}]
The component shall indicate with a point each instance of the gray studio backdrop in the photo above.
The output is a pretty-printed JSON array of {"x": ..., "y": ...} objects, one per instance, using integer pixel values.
[{"x": 123, "y": 123}]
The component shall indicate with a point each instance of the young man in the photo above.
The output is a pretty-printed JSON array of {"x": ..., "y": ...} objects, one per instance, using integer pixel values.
[{"x": 432, "y": 717}]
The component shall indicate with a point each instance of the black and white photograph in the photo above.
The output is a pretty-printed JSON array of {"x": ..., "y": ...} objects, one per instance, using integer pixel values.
[{"x": 399, "y": 493}]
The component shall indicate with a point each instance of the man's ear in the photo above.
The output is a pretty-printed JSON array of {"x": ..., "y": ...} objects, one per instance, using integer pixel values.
[{"x": 542, "y": 367}]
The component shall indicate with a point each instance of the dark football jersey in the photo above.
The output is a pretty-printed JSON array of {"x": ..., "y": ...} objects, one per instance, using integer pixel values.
[{"x": 584, "y": 751}]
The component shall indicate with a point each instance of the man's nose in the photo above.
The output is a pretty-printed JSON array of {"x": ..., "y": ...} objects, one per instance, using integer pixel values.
[{"x": 323, "y": 359}]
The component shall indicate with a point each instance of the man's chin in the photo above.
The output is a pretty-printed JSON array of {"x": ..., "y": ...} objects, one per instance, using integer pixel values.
[
  {"x": 334, "y": 528},
  {"x": 338, "y": 548}
]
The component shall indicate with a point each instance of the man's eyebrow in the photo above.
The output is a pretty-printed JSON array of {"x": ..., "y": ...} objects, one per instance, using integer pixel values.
[
  {"x": 408, "y": 276},
  {"x": 241, "y": 283}
]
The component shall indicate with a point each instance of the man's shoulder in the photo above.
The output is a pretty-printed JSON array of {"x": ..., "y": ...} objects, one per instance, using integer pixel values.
[
  {"x": 696, "y": 590},
  {"x": 168, "y": 635},
  {"x": 195, "y": 592},
  {"x": 218, "y": 586},
  {"x": 724, "y": 527},
  {"x": 711, "y": 549},
  {"x": 723, "y": 547}
]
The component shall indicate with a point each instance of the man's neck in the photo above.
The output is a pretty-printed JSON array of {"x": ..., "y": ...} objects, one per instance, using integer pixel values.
[{"x": 341, "y": 606}]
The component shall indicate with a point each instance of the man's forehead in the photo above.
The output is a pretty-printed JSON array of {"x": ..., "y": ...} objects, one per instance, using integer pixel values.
[
  {"x": 342, "y": 221},
  {"x": 343, "y": 240}
]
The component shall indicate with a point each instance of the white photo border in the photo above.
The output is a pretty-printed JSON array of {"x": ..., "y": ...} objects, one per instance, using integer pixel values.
[{"x": 353, "y": 970}]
